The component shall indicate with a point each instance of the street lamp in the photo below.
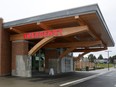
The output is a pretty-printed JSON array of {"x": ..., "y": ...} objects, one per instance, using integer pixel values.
[{"x": 108, "y": 58}]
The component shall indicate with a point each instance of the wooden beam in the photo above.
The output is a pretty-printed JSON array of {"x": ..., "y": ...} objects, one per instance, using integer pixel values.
[
  {"x": 48, "y": 39},
  {"x": 89, "y": 50},
  {"x": 80, "y": 56},
  {"x": 73, "y": 44},
  {"x": 40, "y": 44},
  {"x": 74, "y": 30},
  {"x": 80, "y": 21},
  {"x": 65, "y": 32},
  {"x": 43, "y": 26},
  {"x": 16, "y": 30},
  {"x": 70, "y": 39},
  {"x": 66, "y": 52},
  {"x": 96, "y": 37},
  {"x": 93, "y": 35},
  {"x": 60, "y": 21},
  {"x": 77, "y": 17}
]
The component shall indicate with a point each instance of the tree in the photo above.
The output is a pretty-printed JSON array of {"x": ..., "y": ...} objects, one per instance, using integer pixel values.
[
  {"x": 112, "y": 59},
  {"x": 100, "y": 57},
  {"x": 91, "y": 58},
  {"x": 94, "y": 57}
]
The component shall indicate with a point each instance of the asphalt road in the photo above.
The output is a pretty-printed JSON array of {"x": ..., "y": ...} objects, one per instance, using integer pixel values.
[
  {"x": 55, "y": 81},
  {"x": 105, "y": 80}
]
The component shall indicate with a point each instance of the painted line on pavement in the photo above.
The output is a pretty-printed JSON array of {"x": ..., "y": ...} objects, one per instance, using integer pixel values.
[{"x": 83, "y": 79}]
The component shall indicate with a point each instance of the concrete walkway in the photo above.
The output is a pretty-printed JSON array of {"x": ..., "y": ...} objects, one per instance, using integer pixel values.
[
  {"x": 99, "y": 70},
  {"x": 55, "y": 81},
  {"x": 103, "y": 70}
]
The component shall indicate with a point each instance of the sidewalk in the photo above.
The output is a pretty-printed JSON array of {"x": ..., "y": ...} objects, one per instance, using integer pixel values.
[
  {"x": 103, "y": 70},
  {"x": 99, "y": 70}
]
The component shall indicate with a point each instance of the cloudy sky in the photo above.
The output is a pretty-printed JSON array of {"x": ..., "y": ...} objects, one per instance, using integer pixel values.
[{"x": 17, "y": 9}]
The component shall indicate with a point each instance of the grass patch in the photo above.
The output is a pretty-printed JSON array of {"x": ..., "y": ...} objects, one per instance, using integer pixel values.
[{"x": 102, "y": 65}]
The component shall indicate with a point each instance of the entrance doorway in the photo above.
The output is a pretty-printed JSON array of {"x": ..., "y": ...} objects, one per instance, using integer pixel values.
[{"x": 38, "y": 62}]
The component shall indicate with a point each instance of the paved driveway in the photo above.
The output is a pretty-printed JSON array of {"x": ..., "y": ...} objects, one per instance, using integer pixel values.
[
  {"x": 105, "y": 80},
  {"x": 43, "y": 81}
]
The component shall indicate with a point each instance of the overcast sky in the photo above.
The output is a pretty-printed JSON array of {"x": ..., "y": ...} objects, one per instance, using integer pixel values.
[{"x": 17, "y": 9}]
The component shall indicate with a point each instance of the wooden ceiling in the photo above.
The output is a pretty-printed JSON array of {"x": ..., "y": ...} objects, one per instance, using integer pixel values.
[
  {"x": 54, "y": 24},
  {"x": 89, "y": 20}
]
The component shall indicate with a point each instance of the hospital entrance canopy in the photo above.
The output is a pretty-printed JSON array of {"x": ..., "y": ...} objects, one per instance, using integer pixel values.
[{"x": 80, "y": 29}]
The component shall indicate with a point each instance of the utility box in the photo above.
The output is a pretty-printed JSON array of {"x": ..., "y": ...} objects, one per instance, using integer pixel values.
[
  {"x": 61, "y": 65},
  {"x": 66, "y": 64}
]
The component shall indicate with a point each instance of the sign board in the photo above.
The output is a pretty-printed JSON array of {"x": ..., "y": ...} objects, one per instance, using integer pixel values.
[{"x": 42, "y": 34}]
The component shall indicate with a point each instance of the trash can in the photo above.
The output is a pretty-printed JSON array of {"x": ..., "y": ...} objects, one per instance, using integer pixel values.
[
  {"x": 94, "y": 68},
  {"x": 87, "y": 68}
]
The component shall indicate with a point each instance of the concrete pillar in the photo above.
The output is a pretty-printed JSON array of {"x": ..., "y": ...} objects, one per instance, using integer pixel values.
[
  {"x": 5, "y": 51},
  {"x": 20, "y": 58}
]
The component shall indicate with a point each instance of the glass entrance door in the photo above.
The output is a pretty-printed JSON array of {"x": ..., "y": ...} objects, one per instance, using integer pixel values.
[
  {"x": 38, "y": 61},
  {"x": 41, "y": 61}
]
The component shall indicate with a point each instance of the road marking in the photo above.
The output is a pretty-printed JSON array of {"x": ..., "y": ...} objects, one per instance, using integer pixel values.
[{"x": 82, "y": 80}]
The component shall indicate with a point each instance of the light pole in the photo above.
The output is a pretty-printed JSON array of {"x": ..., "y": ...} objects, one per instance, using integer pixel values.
[{"x": 108, "y": 58}]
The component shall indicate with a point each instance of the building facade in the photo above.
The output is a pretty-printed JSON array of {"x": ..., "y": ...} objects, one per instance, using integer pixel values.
[{"x": 46, "y": 42}]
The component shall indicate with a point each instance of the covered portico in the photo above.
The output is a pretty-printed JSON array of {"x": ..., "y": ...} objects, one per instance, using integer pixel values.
[{"x": 59, "y": 34}]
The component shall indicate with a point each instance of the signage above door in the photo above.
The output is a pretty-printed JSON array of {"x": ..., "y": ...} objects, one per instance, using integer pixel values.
[{"x": 47, "y": 33}]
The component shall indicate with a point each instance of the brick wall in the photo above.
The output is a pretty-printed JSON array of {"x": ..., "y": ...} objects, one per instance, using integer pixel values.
[
  {"x": 50, "y": 54},
  {"x": 5, "y": 51},
  {"x": 19, "y": 47},
  {"x": 82, "y": 64}
]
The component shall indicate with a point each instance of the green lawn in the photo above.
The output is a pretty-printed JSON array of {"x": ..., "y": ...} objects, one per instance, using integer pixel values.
[{"x": 100, "y": 65}]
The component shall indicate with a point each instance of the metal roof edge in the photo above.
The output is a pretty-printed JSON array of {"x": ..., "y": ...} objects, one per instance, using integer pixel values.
[
  {"x": 104, "y": 24},
  {"x": 50, "y": 16}
]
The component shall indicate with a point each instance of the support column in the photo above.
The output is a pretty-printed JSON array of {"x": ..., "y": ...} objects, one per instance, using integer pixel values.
[
  {"x": 5, "y": 51},
  {"x": 20, "y": 59},
  {"x": 50, "y": 56}
]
